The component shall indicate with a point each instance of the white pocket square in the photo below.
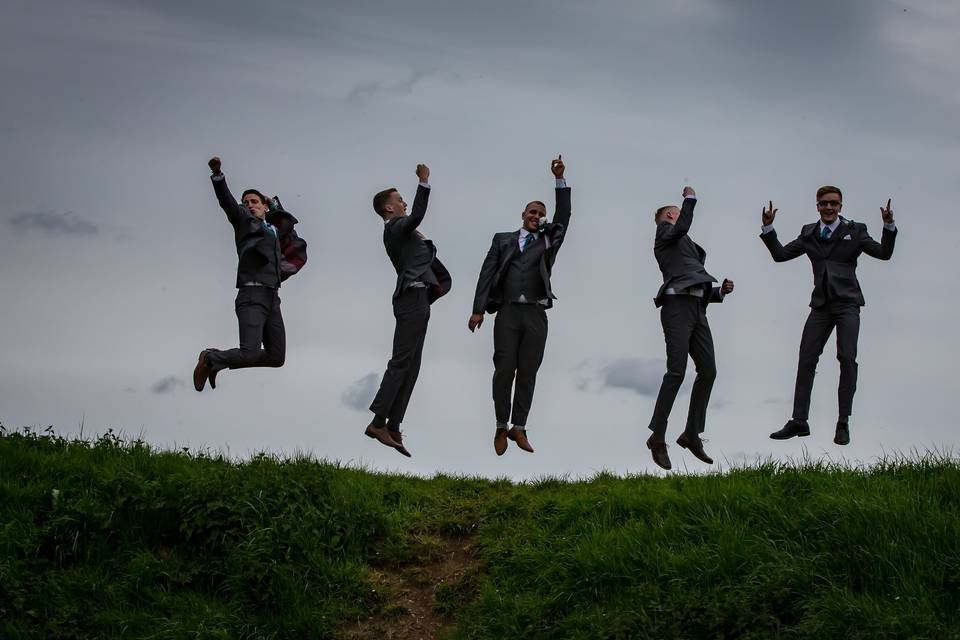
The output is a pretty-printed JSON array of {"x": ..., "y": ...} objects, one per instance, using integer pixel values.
[{"x": 846, "y": 238}]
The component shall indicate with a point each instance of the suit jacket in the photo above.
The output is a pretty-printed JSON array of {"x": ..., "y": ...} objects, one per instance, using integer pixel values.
[
  {"x": 258, "y": 249},
  {"x": 413, "y": 255},
  {"x": 834, "y": 262},
  {"x": 506, "y": 246},
  {"x": 681, "y": 260}
]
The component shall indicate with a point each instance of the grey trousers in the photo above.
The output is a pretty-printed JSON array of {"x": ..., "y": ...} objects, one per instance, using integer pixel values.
[
  {"x": 686, "y": 332},
  {"x": 519, "y": 337},
  {"x": 260, "y": 320},
  {"x": 845, "y": 316}
]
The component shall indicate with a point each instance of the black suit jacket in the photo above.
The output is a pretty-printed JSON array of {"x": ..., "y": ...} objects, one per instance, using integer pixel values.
[
  {"x": 258, "y": 249},
  {"x": 834, "y": 262},
  {"x": 506, "y": 246},
  {"x": 411, "y": 253},
  {"x": 681, "y": 259}
]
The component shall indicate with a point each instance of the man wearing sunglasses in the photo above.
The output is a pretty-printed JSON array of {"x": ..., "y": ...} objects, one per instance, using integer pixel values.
[
  {"x": 258, "y": 279},
  {"x": 833, "y": 245}
]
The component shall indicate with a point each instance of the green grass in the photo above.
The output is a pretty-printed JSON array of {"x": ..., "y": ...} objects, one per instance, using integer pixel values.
[{"x": 114, "y": 539}]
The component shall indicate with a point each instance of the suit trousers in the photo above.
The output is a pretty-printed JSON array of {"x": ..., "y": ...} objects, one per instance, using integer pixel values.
[
  {"x": 411, "y": 309},
  {"x": 519, "y": 337},
  {"x": 845, "y": 316},
  {"x": 260, "y": 320},
  {"x": 686, "y": 332}
]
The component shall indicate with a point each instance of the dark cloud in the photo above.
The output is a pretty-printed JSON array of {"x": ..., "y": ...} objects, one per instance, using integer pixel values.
[
  {"x": 360, "y": 394},
  {"x": 51, "y": 223},
  {"x": 167, "y": 385},
  {"x": 367, "y": 92},
  {"x": 640, "y": 375}
]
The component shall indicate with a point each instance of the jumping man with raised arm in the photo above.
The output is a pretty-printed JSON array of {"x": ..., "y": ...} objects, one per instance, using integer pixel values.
[
  {"x": 514, "y": 283},
  {"x": 421, "y": 280},
  {"x": 683, "y": 298},
  {"x": 833, "y": 245},
  {"x": 258, "y": 280}
]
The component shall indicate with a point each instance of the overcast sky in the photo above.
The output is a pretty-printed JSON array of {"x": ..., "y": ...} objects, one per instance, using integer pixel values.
[{"x": 117, "y": 266}]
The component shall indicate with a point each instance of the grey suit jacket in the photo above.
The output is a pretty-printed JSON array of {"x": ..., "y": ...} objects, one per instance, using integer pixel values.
[
  {"x": 258, "y": 249},
  {"x": 681, "y": 259},
  {"x": 506, "y": 246},
  {"x": 834, "y": 262},
  {"x": 412, "y": 255}
]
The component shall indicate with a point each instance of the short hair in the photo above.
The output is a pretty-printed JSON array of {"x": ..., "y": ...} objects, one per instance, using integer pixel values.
[
  {"x": 264, "y": 199},
  {"x": 535, "y": 202},
  {"x": 824, "y": 190},
  {"x": 380, "y": 200},
  {"x": 661, "y": 211}
]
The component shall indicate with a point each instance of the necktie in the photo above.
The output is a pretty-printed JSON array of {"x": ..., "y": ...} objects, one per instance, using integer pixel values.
[
  {"x": 527, "y": 241},
  {"x": 825, "y": 233}
]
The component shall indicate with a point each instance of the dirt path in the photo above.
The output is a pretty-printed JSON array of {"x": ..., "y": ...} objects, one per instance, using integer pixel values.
[{"x": 410, "y": 592}]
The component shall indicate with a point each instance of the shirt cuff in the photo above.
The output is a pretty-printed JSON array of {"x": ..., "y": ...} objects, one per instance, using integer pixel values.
[
  {"x": 765, "y": 229},
  {"x": 218, "y": 178},
  {"x": 561, "y": 183},
  {"x": 425, "y": 185},
  {"x": 890, "y": 227}
]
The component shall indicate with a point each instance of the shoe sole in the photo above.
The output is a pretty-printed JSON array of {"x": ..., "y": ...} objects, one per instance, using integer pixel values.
[{"x": 792, "y": 435}]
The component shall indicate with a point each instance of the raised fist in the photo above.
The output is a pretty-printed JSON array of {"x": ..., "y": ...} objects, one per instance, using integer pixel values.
[
  {"x": 214, "y": 164},
  {"x": 557, "y": 167},
  {"x": 423, "y": 172},
  {"x": 689, "y": 192}
]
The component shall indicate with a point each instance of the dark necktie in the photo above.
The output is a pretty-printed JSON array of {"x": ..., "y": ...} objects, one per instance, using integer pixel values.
[
  {"x": 527, "y": 241},
  {"x": 825, "y": 234}
]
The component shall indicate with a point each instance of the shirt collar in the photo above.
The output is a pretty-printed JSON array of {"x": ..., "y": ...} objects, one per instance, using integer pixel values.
[
  {"x": 832, "y": 227},
  {"x": 524, "y": 233}
]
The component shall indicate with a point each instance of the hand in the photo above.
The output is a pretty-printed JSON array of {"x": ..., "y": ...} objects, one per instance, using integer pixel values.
[
  {"x": 726, "y": 286},
  {"x": 557, "y": 167},
  {"x": 474, "y": 322},
  {"x": 688, "y": 191},
  {"x": 214, "y": 164},
  {"x": 887, "y": 213},
  {"x": 423, "y": 173},
  {"x": 768, "y": 215}
]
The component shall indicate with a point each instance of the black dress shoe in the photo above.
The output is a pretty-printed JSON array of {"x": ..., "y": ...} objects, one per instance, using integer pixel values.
[
  {"x": 695, "y": 446},
  {"x": 843, "y": 433},
  {"x": 792, "y": 428},
  {"x": 659, "y": 451}
]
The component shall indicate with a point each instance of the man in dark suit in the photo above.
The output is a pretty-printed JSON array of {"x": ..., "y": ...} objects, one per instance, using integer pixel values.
[
  {"x": 421, "y": 280},
  {"x": 258, "y": 280},
  {"x": 683, "y": 298},
  {"x": 514, "y": 283},
  {"x": 833, "y": 245}
]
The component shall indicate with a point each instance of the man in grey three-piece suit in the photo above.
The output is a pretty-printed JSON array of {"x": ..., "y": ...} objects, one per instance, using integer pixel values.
[
  {"x": 833, "y": 245},
  {"x": 259, "y": 273},
  {"x": 514, "y": 283},
  {"x": 683, "y": 298},
  {"x": 421, "y": 280}
]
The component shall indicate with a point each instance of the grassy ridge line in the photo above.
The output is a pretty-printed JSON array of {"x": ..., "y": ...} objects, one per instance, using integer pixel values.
[{"x": 114, "y": 539}]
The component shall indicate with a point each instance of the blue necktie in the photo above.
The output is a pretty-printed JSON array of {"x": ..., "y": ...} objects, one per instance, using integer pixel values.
[
  {"x": 825, "y": 233},
  {"x": 527, "y": 241}
]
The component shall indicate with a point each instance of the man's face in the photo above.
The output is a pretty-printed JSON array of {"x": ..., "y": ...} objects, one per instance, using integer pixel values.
[
  {"x": 395, "y": 206},
  {"x": 829, "y": 206},
  {"x": 256, "y": 206},
  {"x": 670, "y": 215},
  {"x": 532, "y": 215}
]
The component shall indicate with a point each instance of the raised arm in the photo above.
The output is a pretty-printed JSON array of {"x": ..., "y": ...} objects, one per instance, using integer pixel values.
[
  {"x": 669, "y": 233},
  {"x": 220, "y": 189},
  {"x": 882, "y": 250},
  {"x": 487, "y": 270},
  {"x": 561, "y": 212},
  {"x": 768, "y": 234},
  {"x": 408, "y": 224}
]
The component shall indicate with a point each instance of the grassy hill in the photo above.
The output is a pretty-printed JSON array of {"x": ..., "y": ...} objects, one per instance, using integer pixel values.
[{"x": 112, "y": 539}]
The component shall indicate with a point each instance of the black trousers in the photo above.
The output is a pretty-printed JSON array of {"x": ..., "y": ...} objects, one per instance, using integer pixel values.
[
  {"x": 260, "y": 320},
  {"x": 845, "y": 316},
  {"x": 519, "y": 336},
  {"x": 412, "y": 312},
  {"x": 686, "y": 332}
]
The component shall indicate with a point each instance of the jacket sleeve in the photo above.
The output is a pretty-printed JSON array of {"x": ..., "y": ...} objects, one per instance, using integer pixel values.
[
  {"x": 780, "y": 253},
  {"x": 882, "y": 250},
  {"x": 669, "y": 233},
  {"x": 715, "y": 295},
  {"x": 557, "y": 229},
  {"x": 227, "y": 202},
  {"x": 407, "y": 224},
  {"x": 485, "y": 281}
]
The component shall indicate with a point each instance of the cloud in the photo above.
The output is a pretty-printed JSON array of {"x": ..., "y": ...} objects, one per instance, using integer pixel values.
[
  {"x": 640, "y": 375},
  {"x": 51, "y": 223},
  {"x": 167, "y": 385},
  {"x": 370, "y": 91},
  {"x": 360, "y": 394}
]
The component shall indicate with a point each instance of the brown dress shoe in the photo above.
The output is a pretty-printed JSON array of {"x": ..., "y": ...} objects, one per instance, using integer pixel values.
[
  {"x": 519, "y": 435},
  {"x": 695, "y": 446},
  {"x": 201, "y": 372},
  {"x": 659, "y": 451},
  {"x": 380, "y": 434},
  {"x": 398, "y": 439},
  {"x": 500, "y": 441}
]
